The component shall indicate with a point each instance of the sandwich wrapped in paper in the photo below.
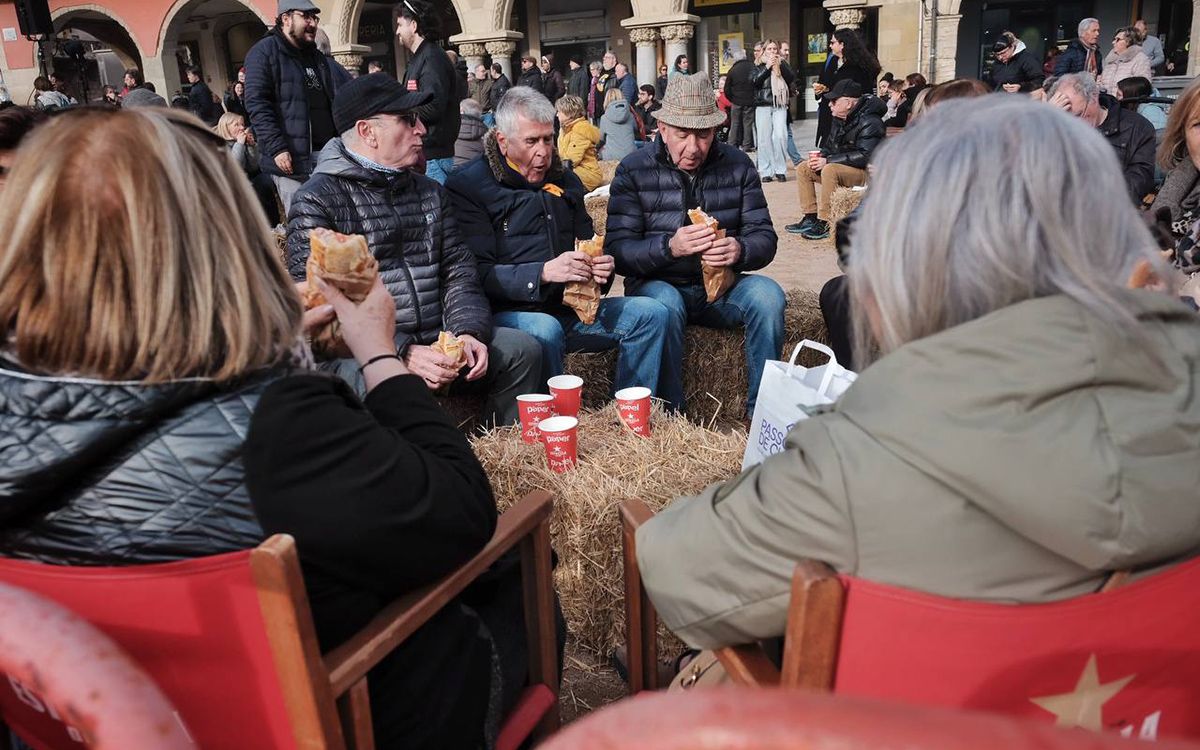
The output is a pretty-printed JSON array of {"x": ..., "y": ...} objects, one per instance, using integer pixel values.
[
  {"x": 717, "y": 280},
  {"x": 584, "y": 296},
  {"x": 344, "y": 261},
  {"x": 452, "y": 346}
]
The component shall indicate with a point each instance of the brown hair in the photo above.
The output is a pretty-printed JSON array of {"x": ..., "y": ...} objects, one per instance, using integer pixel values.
[
  {"x": 159, "y": 266},
  {"x": 959, "y": 88},
  {"x": 1184, "y": 112}
]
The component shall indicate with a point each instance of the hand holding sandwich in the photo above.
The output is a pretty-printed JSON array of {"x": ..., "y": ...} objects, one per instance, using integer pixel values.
[
  {"x": 692, "y": 239},
  {"x": 368, "y": 328},
  {"x": 725, "y": 251}
]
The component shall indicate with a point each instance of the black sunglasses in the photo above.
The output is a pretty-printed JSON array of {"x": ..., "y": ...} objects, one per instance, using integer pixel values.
[{"x": 408, "y": 118}]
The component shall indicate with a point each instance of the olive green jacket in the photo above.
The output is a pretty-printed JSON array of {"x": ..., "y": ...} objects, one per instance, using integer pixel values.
[{"x": 1016, "y": 458}]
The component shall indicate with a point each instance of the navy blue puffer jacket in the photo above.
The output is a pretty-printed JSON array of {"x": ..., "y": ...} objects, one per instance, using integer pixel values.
[
  {"x": 514, "y": 228},
  {"x": 277, "y": 102},
  {"x": 412, "y": 232},
  {"x": 648, "y": 201}
]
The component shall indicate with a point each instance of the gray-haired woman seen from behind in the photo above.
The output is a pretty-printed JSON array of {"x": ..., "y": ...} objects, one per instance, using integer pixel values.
[{"x": 1024, "y": 424}]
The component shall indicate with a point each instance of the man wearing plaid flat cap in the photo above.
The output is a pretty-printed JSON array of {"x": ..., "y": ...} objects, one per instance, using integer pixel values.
[{"x": 659, "y": 250}]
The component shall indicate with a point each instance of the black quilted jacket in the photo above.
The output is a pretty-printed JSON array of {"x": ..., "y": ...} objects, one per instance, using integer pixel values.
[
  {"x": 852, "y": 141},
  {"x": 649, "y": 199},
  {"x": 96, "y": 473},
  {"x": 410, "y": 228}
]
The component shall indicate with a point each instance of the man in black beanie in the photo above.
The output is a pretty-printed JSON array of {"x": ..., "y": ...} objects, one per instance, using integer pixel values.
[
  {"x": 365, "y": 184},
  {"x": 579, "y": 81}
]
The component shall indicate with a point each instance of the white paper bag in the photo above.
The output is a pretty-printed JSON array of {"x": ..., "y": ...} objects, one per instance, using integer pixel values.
[{"x": 789, "y": 393}]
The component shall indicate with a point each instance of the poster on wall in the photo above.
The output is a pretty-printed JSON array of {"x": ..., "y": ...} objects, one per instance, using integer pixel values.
[
  {"x": 818, "y": 48},
  {"x": 731, "y": 44}
]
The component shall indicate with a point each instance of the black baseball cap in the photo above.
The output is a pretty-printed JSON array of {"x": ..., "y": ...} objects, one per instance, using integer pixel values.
[
  {"x": 374, "y": 94},
  {"x": 844, "y": 87}
]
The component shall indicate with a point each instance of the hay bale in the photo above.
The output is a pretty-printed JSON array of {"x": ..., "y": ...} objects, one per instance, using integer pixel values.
[
  {"x": 608, "y": 169},
  {"x": 679, "y": 458},
  {"x": 841, "y": 203},
  {"x": 715, "y": 382},
  {"x": 597, "y": 208},
  {"x": 597, "y": 370}
]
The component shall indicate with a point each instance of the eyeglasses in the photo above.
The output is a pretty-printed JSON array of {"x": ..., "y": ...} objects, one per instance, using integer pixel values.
[
  {"x": 307, "y": 15},
  {"x": 408, "y": 118}
]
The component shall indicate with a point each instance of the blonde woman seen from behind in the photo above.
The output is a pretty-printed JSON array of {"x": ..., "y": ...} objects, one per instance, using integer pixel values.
[
  {"x": 159, "y": 344},
  {"x": 988, "y": 330}
]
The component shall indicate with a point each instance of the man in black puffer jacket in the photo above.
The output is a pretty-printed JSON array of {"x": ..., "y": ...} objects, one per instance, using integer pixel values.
[
  {"x": 857, "y": 130},
  {"x": 1014, "y": 69},
  {"x": 521, "y": 214},
  {"x": 290, "y": 86},
  {"x": 660, "y": 251},
  {"x": 363, "y": 185},
  {"x": 430, "y": 71},
  {"x": 740, "y": 93}
]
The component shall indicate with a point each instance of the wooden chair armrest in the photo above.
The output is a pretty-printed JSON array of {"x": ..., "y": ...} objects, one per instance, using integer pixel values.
[
  {"x": 814, "y": 627},
  {"x": 641, "y": 621},
  {"x": 748, "y": 665},
  {"x": 350, "y": 662}
]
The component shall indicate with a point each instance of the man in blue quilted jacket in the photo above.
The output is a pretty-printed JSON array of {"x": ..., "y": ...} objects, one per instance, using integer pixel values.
[
  {"x": 662, "y": 253},
  {"x": 364, "y": 184}
]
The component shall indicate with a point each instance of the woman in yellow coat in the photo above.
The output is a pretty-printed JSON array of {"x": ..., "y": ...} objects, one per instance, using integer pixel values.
[{"x": 577, "y": 140}]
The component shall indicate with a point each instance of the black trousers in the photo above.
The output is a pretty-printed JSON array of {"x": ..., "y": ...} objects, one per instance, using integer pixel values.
[
  {"x": 835, "y": 307},
  {"x": 741, "y": 126}
]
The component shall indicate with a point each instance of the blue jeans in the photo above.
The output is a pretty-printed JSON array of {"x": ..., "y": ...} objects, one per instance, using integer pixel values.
[
  {"x": 754, "y": 301},
  {"x": 439, "y": 169},
  {"x": 636, "y": 325},
  {"x": 793, "y": 152},
  {"x": 489, "y": 119}
]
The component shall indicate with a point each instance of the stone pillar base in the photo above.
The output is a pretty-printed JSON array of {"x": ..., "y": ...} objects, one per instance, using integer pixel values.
[{"x": 474, "y": 53}]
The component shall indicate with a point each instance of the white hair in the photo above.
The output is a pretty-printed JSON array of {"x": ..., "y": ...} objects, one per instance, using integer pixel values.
[
  {"x": 469, "y": 106},
  {"x": 522, "y": 102},
  {"x": 964, "y": 218},
  {"x": 1083, "y": 25},
  {"x": 1083, "y": 83}
]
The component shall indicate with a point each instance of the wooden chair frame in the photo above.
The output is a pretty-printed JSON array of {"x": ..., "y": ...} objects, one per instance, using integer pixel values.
[
  {"x": 810, "y": 648},
  {"x": 326, "y": 696},
  {"x": 811, "y": 641}
]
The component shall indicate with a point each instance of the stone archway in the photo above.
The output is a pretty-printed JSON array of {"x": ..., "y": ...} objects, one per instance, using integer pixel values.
[
  {"x": 103, "y": 46},
  {"x": 198, "y": 26},
  {"x": 343, "y": 22}
]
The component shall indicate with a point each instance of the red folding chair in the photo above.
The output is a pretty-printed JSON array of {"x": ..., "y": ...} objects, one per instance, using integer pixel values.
[
  {"x": 1126, "y": 659},
  {"x": 772, "y": 719},
  {"x": 230, "y": 641}
]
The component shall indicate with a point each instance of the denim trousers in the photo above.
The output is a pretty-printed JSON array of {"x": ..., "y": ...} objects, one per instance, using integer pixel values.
[
  {"x": 770, "y": 133},
  {"x": 635, "y": 324},
  {"x": 755, "y": 302},
  {"x": 793, "y": 153},
  {"x": 439, "y": 169}
]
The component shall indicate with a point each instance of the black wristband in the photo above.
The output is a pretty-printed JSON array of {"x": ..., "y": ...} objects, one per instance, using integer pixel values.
[{"x": 377, "y": 358}]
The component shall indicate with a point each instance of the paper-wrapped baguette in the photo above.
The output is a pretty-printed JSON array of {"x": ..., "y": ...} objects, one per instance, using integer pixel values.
[
  {"x": 717, "y": 280},
  {"x": 584, "y": 296},
  {"x": 344, "y": 261},
  {"x": 452, "y": 346}
]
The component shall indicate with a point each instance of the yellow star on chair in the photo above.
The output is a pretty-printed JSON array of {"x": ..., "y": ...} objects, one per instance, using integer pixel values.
[{"x": 1082, "y": 707}]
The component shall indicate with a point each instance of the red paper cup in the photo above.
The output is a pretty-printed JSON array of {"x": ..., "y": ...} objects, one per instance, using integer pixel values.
[
  {"x": 533, "y": 408},
  {"x": 633, "y": 404},
  {"x": 567, "y": 390},
  {"x": 559, "y": 435}
]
